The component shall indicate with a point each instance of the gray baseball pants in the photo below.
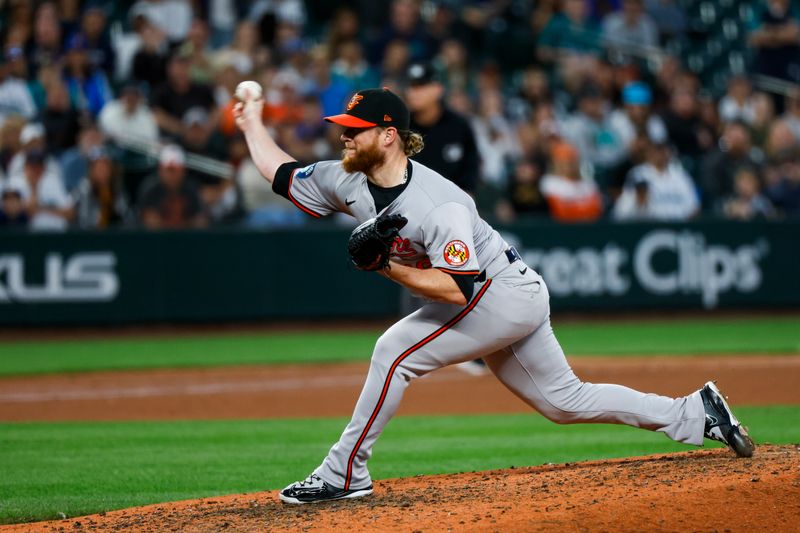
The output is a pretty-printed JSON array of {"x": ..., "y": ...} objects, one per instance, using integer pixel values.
[{"x": 507, "y": 323}]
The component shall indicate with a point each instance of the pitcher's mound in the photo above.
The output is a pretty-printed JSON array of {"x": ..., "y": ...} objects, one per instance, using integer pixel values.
[{"x": 704, "y": 490}]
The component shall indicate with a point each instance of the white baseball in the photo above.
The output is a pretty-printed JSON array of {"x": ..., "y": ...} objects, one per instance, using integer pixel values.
[{"x": 248, "y": 88}]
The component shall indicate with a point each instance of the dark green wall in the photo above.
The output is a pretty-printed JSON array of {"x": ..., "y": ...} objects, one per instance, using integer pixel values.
[{"x": 126, "y": 276}]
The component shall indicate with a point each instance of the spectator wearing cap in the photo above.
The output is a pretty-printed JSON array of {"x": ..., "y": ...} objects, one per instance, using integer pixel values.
[
  {"x": 590, "y": 131},
  {"x": 630, "y": 30},
  {"x": 169, "y": 200},
  {"x": 47, "y": 202},
  {"x": 734, "y": 151},
  {"x": 634, "y": 203},
  {"x": 670, "y": 193},
  {"x": 219, "y": 194},
  {"x": 12, "y": 209},
  {"x": 88, "y": 87},
  {"x": 633, "y": 124},
  {"x": 173, "y": 98},
  {"x": 636, "y": 117},
  {"x": 15, "y": 96},
  {"x": 32, "y": 138},
  {"x": 450, "y": 146},
  {"x": 571, "y": 196},
  {"x": 128, "y": 120},
  {"x": 100, "y": 200}
]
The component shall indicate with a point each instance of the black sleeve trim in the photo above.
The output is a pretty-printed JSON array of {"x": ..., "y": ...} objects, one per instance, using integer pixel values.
[
  {"x": 465, "y": 283},
  {"x": 283, "y": 178}
]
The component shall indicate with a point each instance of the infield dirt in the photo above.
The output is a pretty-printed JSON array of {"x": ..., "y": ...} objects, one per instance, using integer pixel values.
[{"x": 706, "y": 490}]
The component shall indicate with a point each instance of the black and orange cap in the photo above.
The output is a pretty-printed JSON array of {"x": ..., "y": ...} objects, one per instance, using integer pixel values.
[{"x": 374, "y": 107}]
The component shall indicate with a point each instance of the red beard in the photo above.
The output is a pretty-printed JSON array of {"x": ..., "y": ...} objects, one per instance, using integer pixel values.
[{"x": 364, "y": 159}]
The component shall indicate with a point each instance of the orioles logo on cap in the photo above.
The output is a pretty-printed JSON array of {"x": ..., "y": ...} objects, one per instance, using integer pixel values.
[
  {"x": 456, "y": 253},
  {"x": 354, "y": 101}
]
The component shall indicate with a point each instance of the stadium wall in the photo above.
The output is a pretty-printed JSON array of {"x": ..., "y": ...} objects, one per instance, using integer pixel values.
[{"x": 122, "y": 277}]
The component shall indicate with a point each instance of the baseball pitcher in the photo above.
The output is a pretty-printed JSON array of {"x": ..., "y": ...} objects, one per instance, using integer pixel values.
[{"x": 420, "y": 230}]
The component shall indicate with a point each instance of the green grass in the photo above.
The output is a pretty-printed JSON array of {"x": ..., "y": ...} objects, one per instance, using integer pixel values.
[
  {"x": 81, "y": 468},
  {"x": 674, "y": 337}
]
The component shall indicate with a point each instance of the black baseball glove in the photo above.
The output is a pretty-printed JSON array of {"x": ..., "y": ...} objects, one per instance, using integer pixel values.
[{"x": 371, "y": 242}]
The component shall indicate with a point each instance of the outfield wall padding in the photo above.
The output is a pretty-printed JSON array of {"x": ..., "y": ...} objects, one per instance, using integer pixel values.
[{"x": 233, "y": 275}]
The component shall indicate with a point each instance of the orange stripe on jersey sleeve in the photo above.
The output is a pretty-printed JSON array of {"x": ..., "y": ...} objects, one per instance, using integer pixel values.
[{"x": 296, "y": 202}]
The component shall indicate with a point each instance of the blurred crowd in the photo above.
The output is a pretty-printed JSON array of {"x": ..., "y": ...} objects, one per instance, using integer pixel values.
[{"x": 119, "y": 113}]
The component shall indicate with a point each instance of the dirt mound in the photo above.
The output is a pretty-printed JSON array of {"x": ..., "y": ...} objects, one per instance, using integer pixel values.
[{"x": 705, "y": 490}]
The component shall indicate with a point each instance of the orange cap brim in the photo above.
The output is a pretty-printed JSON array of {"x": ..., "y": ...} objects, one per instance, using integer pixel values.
[{"x": 349, "y": 121}]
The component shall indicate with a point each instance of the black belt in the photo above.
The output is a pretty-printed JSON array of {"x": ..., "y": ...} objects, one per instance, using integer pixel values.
[{"x": 511, "y": 254}]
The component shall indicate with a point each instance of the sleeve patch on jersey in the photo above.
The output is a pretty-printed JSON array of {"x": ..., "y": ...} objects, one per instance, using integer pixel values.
[
  {"x": 456, "y": 253},
  {"x": 305, "y": 172}
]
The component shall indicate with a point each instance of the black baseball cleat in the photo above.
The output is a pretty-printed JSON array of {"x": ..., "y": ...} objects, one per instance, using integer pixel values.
[
  {"x": 314, "y": 490},
  {"x": 721, "y": 425}
]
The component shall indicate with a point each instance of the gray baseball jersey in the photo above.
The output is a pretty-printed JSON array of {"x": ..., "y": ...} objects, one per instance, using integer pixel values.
[
  {"x": 444, "y": 229},
  {"x": 506, "y": 322}
]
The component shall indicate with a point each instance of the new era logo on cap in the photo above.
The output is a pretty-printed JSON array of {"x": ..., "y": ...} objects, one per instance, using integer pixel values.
[{"x": 373, "y": 107}]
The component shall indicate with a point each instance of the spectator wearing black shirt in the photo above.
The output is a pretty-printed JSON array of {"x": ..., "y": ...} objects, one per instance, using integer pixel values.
[
  {"x": 172, "y": 99},
  {"x": 169, "y": 200},
  {"x": 12, "y": 209},
  {"x": 721, "y": 165},
  {"x": 60, "y": 120},
  {"x": 685, "y": 130},
  {"x": 450, "y": 147},
  {"x": 149, "y": 64},
  {"x": 776, "y": 38},
  {"x": 524, "y": 196}
]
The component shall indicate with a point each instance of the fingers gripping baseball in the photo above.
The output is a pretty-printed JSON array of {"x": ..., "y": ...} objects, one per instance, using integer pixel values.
[
  {"x": 250, "y": 105},
  {"x": 370, "y": 244}
]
